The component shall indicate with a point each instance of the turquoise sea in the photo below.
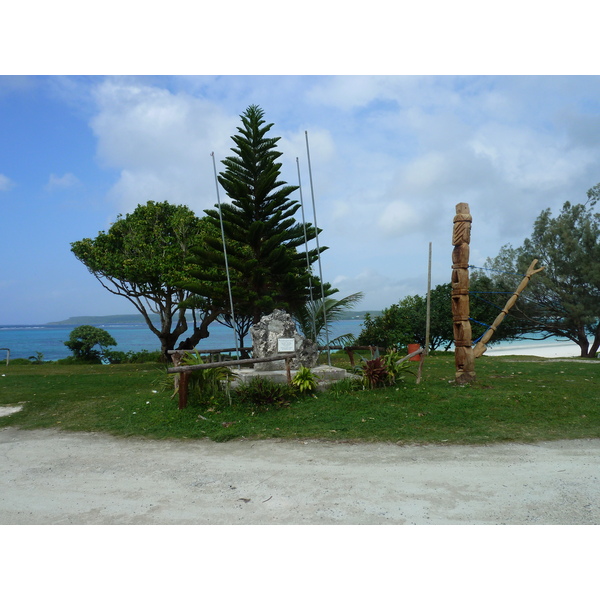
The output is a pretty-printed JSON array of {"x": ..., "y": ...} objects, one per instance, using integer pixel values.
[{"x": 25, "y": 341}]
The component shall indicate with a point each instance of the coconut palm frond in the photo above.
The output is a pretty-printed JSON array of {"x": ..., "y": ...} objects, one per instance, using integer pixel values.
[
  {"x": 312, "y": 315},
  {"x": 346, "y": 339}
]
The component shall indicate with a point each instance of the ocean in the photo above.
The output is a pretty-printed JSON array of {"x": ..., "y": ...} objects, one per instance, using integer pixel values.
[{"x": 25, "y": 341}]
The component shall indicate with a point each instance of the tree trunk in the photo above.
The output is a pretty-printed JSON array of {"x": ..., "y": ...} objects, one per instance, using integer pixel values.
[
  {"x": 583, "y": 342},
  {"x": 165, "y": 346},
  {"x": 595, "y": 344},
  {"x": 199, "y": 332},
  {"x": 168, "y": 340}
]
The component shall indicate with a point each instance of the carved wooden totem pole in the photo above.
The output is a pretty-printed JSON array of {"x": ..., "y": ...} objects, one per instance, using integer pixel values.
[{"x": 463, "y": 352}]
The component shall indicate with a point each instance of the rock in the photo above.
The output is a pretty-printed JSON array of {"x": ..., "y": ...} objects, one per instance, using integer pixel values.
[{"x": 265, "y": 338}]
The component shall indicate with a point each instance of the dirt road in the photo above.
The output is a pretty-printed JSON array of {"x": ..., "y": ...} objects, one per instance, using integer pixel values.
[{"x": 54, "y": 477}]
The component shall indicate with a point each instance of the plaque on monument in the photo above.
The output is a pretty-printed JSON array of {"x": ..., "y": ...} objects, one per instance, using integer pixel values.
[
  {"x": 276, "y": 334},
  {"x": 286, "y": 345}
]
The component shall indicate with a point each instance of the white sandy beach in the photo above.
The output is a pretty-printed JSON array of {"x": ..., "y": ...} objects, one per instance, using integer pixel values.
[{"x": 542, "y": 349}]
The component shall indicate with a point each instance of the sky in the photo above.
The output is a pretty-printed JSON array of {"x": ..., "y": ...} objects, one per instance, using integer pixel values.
[{"x": 390, "y": 155}]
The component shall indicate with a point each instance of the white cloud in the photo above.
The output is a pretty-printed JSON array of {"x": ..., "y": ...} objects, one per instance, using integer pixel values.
[
  {"x": 357, "y": 92},
  {"x": 321, "y": 144},
  {"x": 66, "y": 181},
  {"x": 379, "y": 290},
  {"x": 391, "y": 156},
  {"x": 347, "y": 92},
  {"x": 399, "y": 217},
  {"x": 5, "y": 183},
  {"x": 530, "y": 159},
  {"x": 160, "y": 142}
]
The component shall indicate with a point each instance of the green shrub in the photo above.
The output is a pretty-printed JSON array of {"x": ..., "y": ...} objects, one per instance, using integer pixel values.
[
  {"x": 305, "y": 380},
  {"x": 395, "y": 371},
  {"x": 73, "y": 360},
  {"x": 20, "y": 361},
  {"x": 143, "y": 356},
  {"x": 375, "y": 373},
  {"x": 262, "y": 391},
  {"x": 206, "y": 385},
  {"x": 114, "y": 357},
  {"x": 344, "y": 387},
  {"x": 84, "y": 339}
]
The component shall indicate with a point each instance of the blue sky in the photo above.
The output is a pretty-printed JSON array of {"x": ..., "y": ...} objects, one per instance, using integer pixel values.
[{"x": 391, "y": 156}]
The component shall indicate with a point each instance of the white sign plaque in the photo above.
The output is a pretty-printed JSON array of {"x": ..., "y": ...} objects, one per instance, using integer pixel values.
[{"x": 286, "y": 345}]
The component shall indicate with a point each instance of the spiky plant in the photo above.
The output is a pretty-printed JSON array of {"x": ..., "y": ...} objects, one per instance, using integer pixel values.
[{"x": 375, "y": 373}]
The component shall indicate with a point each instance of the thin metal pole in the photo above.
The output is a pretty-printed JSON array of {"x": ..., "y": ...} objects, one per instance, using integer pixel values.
[
  {"x": 237, "y": 351},
  {"x": 428, "y": 318},
  {"x": 312, "y": 301},
  {"x": 318, "y": 251}
]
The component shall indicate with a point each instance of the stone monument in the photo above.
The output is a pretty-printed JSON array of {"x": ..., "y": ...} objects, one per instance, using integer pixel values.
[{"x": 276, "y": 334}]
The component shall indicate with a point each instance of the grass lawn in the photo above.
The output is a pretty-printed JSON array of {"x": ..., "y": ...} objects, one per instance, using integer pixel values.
[{"x": 514, "y": 399}]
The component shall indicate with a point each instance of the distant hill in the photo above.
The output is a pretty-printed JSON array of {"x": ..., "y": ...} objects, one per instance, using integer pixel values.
[{"x": 137, "y": 319}]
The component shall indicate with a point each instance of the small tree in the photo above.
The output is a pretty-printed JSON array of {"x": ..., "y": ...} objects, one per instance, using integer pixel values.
[{"x": 84, "y": 339}]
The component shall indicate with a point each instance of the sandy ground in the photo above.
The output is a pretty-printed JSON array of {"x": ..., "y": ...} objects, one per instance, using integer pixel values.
[
  {"x": 542, "y": 349},
  {"x": 54, "y": 477}
]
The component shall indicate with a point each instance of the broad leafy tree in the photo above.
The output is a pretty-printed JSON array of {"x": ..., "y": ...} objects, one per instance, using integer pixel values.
[
  {"x": 564, "y": 299},
  {"x": 142, "y": 257},
  {"x": 89, "y": 344},
  {"x": 405, "y": 322},
  {"x": 263, "y": 238}
]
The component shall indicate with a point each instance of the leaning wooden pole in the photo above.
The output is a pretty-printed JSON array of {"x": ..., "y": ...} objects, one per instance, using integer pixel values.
[
  {"x": 481, "y": 347},
  {"x": 463, "y": 351}
]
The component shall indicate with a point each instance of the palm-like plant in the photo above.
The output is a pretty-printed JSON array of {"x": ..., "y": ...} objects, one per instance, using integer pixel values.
[
  {"x": 312, "y": 316},
  {"x": 205, "y": 384}
]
